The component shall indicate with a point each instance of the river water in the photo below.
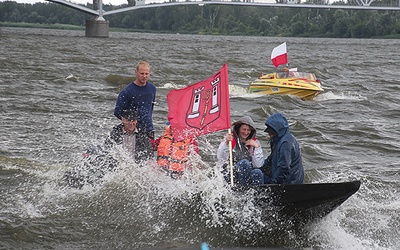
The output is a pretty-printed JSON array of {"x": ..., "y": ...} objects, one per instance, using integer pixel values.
[{"x": 58, "y": 90}]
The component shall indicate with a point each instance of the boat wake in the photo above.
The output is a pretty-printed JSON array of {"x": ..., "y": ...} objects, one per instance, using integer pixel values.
[{"x": 329, "y": 95}]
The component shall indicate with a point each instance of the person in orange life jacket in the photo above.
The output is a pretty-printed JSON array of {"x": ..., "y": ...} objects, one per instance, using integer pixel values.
[
  {"x": 246, "y": 151},
  {"x": 284, "y": 165},
  {"x": 171, "y": 154},
  {"x": 126, "y": 134}
]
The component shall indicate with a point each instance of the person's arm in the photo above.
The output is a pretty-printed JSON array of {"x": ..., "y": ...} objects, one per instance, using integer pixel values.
[
  {"x": 266, "y": 168},
  {"x": 258, "y": 156},
  {"x": 120, "y": 104},
  {"x": 284, "y": 161},
  {"x": 154, "y": 97},
  {"x": 112, "y": 139},
  {"x": 223, "y": 151}
]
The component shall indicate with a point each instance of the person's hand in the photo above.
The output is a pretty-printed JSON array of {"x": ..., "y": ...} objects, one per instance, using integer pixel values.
[
  {"x": 252, "y": 143},
  {"x": 228, "y": 138}
]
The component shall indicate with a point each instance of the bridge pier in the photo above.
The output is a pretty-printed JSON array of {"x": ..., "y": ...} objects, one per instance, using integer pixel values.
[{"x": 97, "y": 28}]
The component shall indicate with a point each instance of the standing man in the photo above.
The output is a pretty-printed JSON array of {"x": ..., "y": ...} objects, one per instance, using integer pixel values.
[
  {"x": 139, "y": 95},
  {"x": 284, "y": 165}
]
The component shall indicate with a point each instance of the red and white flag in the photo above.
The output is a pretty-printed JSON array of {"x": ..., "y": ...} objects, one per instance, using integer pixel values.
[
  {"x": 279, "y": 55},
  {"x": 200, "y": 108}
]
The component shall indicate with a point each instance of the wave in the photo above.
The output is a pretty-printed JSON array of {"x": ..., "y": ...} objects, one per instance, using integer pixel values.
[{"x": 339, "y": 96}]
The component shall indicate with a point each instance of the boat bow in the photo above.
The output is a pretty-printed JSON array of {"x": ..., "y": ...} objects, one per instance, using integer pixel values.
[{"x": 306, "y": 202}]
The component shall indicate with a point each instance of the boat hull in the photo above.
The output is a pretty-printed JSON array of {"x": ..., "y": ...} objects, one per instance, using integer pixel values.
[
  {"x": 306, "y": 202},
  {"x": 304, "y": 85}
]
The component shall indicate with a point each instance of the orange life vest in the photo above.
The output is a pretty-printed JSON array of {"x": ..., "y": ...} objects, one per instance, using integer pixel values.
[{"x": 172, "y": 154}]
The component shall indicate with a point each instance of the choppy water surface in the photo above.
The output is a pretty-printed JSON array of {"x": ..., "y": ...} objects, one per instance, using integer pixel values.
[{"x": 58, "y": 91}]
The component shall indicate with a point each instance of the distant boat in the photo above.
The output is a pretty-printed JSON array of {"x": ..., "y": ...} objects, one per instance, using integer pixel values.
[{"x": 304, "y": 85}]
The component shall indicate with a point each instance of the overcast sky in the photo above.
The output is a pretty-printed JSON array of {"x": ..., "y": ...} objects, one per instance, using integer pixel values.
[{"x": 113, "y": 2}]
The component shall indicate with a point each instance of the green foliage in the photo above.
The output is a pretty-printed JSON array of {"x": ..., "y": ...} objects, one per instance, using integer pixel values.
[{"x": 221, "y": 19}]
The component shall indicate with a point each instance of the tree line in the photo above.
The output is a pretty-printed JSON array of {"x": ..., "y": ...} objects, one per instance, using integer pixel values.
[{"x": 221, "y": 19}]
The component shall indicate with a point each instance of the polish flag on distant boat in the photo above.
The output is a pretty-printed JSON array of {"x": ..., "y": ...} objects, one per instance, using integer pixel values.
[{"x": 279, "y": 55}]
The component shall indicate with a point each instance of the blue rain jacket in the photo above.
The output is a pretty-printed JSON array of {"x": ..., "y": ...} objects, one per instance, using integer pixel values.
[{"x": 285, "y": 159}]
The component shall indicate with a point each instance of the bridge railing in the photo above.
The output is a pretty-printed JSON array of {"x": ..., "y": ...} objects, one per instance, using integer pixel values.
[{"x": 355, "y": 4}]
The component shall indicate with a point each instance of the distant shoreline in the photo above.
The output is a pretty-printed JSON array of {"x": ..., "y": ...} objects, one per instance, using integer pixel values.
[{"x": 78, "y": 27}]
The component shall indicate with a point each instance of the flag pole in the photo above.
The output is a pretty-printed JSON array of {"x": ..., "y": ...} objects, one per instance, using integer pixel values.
[{"x": 230, "y": 158}]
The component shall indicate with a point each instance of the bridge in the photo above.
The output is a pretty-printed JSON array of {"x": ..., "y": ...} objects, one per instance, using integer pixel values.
[{"x": 99, "y": 27}]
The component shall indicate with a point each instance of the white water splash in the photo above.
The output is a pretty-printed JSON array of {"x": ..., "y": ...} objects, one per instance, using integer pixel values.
[{"x": 338, "y": 96}]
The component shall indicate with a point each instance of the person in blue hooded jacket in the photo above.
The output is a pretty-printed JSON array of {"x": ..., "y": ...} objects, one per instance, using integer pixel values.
[{"x": 284, "y": 164}]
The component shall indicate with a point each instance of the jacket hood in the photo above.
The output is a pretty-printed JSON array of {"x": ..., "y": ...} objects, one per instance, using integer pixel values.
[
  {"x": 279, "y": 123},
  {"x": 245, "y": 120}
]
